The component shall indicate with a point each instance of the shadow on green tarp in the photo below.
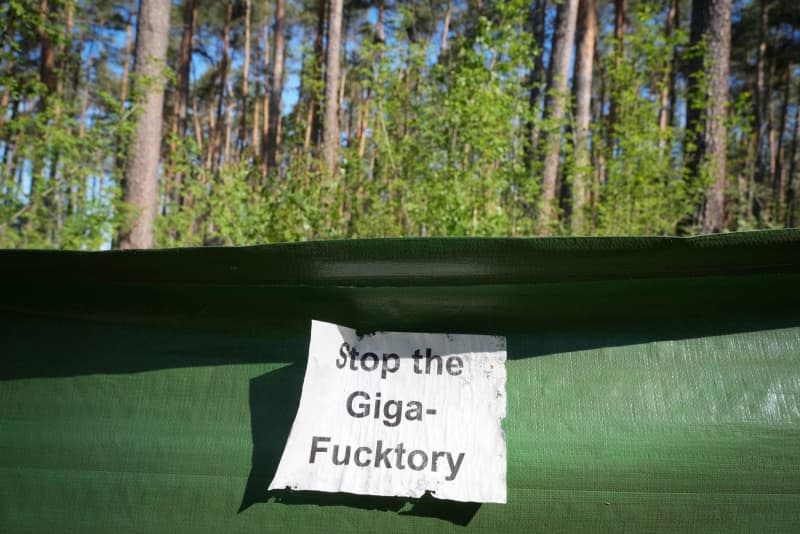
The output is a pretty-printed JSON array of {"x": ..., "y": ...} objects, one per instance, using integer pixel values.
[
  {"x": 65, "y": 315},
  {"x": 51, "y": 347},
  {"x": 274, "y": 398},
  {"x": 45, "y": 346}
]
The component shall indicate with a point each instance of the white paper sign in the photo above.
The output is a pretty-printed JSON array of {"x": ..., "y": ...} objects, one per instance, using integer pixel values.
[{"x": 399, "y": 414}]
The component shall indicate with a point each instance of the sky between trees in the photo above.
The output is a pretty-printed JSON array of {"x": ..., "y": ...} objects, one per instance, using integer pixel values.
[{"x": 197, "y": 122}]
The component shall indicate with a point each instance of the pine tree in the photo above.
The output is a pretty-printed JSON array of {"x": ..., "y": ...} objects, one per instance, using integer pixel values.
[{"x": 142, "y": 171}]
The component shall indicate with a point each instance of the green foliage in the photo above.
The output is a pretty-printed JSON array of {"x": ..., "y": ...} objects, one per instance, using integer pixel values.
[
  {"x": 445, "y": 156},
  {"x": 645, "y": 191},
  {"x": 434, "y": 142},
  {"x": 58, "y": 192}
]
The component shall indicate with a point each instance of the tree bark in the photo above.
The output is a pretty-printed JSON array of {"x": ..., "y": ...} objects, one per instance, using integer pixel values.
[
  {"x": 763, "y": 158},
  {"x": 226, "y": 152},
  {"x": 262, "y": 150},
  {"x": 126, "y": 62},
  {"x": 276, "y": 87},
  {"x": 245, "y": 73},
  {"x": 673, "y": 75},
  {"x": 180, "y": 103},
  {"x": 314, "y": 124},
  {"x": 141, "y": 186},
  {"x": 197, "y": 125},
  {"x": 255, "y": 140},
  {"x": 184, "y": 66},
  {"x": 536, "y": 20},
  {"x": 711, "y": 23},
  {"x": 582, "y": 82},
  {"x": 5, "y": 98},
  {"x": 47, "y": 57},
  {"x": 218, "y": 144},
  {"x": 120, "y": 143},
  {"x": 620, "y": 16},
  {"x": 779, "y": 172},
  {"x": 66, "y": 51},
  {"x": 794, "y": 163},
  {"x": 443, "y": 44},
  {"x": 379, "y": 37},
  {"x": 667, "y": 82},
  {"x": 555, "y": 104},
  {"x": 332, "y": 79}
]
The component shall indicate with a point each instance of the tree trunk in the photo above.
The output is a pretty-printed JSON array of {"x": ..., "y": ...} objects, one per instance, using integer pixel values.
[
  {"x": 197, "y": 125},
  {"x": 226, "y": 152},
  {"x": 262, "y": 150},
  {"x": 220, "y": 124},
  {"x": 47, "y": 76},
  {"x": 536, "y": 20},
  {"x": 121, "y": 143},
  {"x": 667, "y": 82},
  {"x": 446, "y": 28},
  {"x": 5, "y": 98},
  {"x": 555, "y": 104},
  {"x": 762, "y": 96},
  {"x": 66, "y": 51},
  {"x": 582, "y": 82},
  {"x": 245, "y": 74},
  {"x": 340, "y": 105},
  {"x": 332, "y": 79},
  {"x": 141, "y": 185},
  {"x": 598, "y": 152},
  {"x": 673, "y": 75},
  {"x": 780, "y": 179},
  {"x": 181, "y": 104},
  {"x": 620, "y": 16},
  {"x": 255, "y": 140},
  {"x": 47, "y": 57},
  {"x": 126, "y": 63},
  {"x": 314, "y": 126},
  {"x": 794, "y": 163},
  {"x": 84, "y": 106},
  {"x": 379, "y": 37},
  {"x": 762, "y": 104},
  {"x": 276, "y": 87},
  {"x": 711, "y": 22}
]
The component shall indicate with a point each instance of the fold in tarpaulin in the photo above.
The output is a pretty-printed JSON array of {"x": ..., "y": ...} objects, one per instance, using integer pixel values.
[{"x": 653, "y": 383}]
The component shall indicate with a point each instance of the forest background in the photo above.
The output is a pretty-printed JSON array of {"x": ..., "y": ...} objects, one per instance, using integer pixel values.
[{"x": 164, "y": 123}]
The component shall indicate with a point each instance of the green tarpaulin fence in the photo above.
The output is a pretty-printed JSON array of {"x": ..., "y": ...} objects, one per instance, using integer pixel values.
[{"x": 653, "y": 383}]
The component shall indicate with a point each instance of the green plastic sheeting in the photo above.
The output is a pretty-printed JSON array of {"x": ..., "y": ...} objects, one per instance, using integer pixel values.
[{"x": 653, "y": 383}]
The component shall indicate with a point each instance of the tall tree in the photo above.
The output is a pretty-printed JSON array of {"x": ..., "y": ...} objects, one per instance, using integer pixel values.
[
  {"x": 219, "y": 137},
  {"x": 121, "y": 142},
  {"x": 582, "y": 83},
  {"x": 536, "y": 20},
  {"x": 668, "y": 83},
  {"x": 443, "y": 43},
  {"x": 266, "y": 64},
  {"x": 555, "y": 107},
  {"x": 332, "y": 80},
  {"x": 141, "y": 187},
  {"x": 276, "y": 88},
  {"x": 245, "y": 73},
  {"x": 47, "y": 56},
  {"x": 313, "y": 120},
  {"x": 620, "y": 23},
  {"x": 184, "y": 67},
  {"x": 763, "y": 89},
  {"x": 708, "y": 79},
  {"x": 180, "y": 102},
  {"x": 794, "y": 164}
]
